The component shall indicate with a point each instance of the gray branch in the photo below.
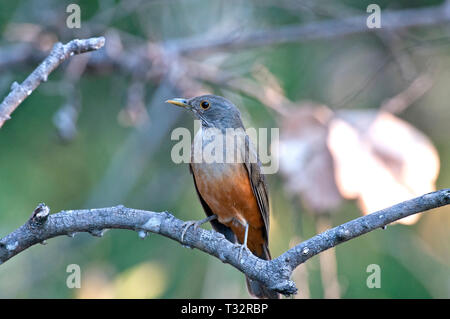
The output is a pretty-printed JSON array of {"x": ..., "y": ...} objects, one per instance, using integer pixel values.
[
  {"x": 136, "y": 59},
  {"x": 320, "y": 30},
  {"x": 275, "y": 274},
  {"x": 59, "y": 53}
]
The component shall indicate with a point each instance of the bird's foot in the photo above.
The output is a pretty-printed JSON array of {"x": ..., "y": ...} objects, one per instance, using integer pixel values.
[
  {"x": 196, "y": 224},
  {"x": 186, "y": 226},
  {"x": 241, "y": 249},
  {"x": 244, "y": 245}
]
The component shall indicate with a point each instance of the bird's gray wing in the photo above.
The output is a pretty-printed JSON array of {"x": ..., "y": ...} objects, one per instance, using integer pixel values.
[{"x": 258, "y": 182}]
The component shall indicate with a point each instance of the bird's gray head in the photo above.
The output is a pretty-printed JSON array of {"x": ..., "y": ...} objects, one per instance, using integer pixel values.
[{"x": 212, "y": 110}]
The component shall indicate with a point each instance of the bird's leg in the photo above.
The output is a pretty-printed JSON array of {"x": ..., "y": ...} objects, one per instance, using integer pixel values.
[
  {"x": 244, "y": 245},
  {"x": 196, "y": 224}
]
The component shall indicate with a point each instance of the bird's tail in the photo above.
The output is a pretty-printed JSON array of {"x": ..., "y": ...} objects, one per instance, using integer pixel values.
[{"x": 257, "y": 289}]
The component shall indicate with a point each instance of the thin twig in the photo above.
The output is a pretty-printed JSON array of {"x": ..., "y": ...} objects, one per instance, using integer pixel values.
[
  {"x": 328, "y": 263},
  {"x": 59, "y": 53},
  {"x": 320, "y": 30},
  {"x": 274, "y": 274},
  {"x": 412, "y": 93}
]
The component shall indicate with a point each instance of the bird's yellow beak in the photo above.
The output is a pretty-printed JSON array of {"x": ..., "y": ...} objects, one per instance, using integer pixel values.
[{"x": 179, "y": 102}]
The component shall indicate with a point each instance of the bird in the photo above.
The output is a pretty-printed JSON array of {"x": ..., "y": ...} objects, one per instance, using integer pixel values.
[{"x": 233, "y": 193}]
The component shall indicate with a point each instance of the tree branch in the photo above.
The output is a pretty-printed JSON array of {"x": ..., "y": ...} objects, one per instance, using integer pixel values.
[
  {"x": 275, "y": 273},
  {"x": 319, "y": 30},
  {"x": 58, "y": 54}
]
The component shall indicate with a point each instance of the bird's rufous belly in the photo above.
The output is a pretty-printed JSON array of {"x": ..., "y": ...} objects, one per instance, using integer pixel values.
[{"x": 226, "y": 189}]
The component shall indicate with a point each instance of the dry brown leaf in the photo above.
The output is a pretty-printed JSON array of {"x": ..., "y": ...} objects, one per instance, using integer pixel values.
[
  {"x": 380, "y": 159},
  {"x": 305, "y": 161}
]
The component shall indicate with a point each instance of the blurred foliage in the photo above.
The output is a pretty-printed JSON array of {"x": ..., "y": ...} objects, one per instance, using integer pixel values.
[{"x": 36, "y": 166}]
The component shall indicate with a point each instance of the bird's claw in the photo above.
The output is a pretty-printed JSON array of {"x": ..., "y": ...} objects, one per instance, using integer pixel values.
[
  {"x": 186, "y": 227},
  {"x": 196, "y": 224},
  {"x": 241, "y": 249}
]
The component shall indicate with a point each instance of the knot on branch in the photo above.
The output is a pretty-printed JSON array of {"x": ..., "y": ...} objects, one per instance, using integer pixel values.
[
  {"x": 7, "y": 247},
  {"x": 97, "y": 232},
  {"x": 39, "y": 215},
  {"x": 305, "y": 251},
  {"x": 142, "y": 234},
  {"x": 120, "y": 208},
  {"x": 14, "y": 86},
  {"x": 446, "y": 196},
  {"x": 343, "y": 234},
  {"x": 153, "y": 224},
  {"x": 286, "y": 287},
  {"x": 4, "y": 117}
]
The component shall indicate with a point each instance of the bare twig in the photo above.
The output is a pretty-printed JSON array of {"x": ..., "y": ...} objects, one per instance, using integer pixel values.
[
  {"x": 275, "y": 274},
  {"x": 331, "y": 28},
  {"x": 413, "y": 92},
  {"x": 136, "y": 57},
  {"x": 328, "y": 263},
  {"x": 59, "y": 53}
]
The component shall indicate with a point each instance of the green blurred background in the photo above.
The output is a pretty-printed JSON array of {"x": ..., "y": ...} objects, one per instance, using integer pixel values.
[{"x": 110, "y": 161}]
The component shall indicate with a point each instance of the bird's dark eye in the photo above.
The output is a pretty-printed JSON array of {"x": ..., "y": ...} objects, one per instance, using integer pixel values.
[{"x": 204, "y": 105}]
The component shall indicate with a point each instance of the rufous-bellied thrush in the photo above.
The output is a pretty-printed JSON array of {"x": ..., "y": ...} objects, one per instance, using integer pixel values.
[{"x": 233, "y": 192}]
